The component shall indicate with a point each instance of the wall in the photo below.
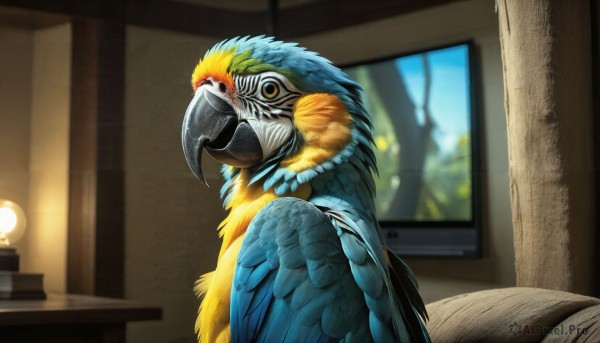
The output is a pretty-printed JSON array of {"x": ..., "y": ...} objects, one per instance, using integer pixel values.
[
  {"x": 49, "y": 156},
  {"x": 171, "y": 217},
  {"x": 34, "y": 118},
  {"x": 16, "y": 53}
]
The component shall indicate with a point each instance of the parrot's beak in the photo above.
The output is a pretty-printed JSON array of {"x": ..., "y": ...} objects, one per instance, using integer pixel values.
[{"x": 211, "y": 123}]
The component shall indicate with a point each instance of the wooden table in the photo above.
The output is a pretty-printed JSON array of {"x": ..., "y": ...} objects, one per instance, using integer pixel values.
[{"x": 70, "y": 318}]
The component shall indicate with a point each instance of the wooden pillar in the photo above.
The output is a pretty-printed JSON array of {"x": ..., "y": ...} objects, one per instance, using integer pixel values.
[
  {"x": 95, "y": 257},
  {"x": 546, "y": 53},
  {"x": 595, "y": 21}
]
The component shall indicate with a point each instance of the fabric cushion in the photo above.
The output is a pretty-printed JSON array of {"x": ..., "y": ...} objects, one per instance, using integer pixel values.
[
  {"x": 517, "y": 314},
  {"x": 582, "y": 326}
]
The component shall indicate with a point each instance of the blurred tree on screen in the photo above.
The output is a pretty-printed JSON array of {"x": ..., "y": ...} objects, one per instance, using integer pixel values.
[{"x": 422, "y": 175}]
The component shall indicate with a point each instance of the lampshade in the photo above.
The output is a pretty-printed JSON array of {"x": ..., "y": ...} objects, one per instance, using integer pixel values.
[{"x": 12, "y": 222}]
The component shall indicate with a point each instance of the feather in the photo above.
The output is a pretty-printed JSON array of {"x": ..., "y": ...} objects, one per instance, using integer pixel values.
[
  {"x": 305, "y": 176},
  {"x": 302, "y": 295},
  {"x": 282, "y": 188},
  {"x": 353, "y": 249},
  {"x": 312, "y": 310},
  {"x": 287, "y": 280},
  {"x": 405, "y": 279},
  {"x": 335, "y": 323},
  {"x": 322, "y": 273},
  {"x": 380, "y": 305},
  {"x": 256, "y": 276},
  {"x": 367, "y": 277},
  {"x": 381, "y": 331},
  {"x": 273, "y": 258},
  {"x": 291, "y": 257},
  {"x": 252, "y": 257},
  {"x": 262, "y": 173},
  {"x": 360, "y": 334}
]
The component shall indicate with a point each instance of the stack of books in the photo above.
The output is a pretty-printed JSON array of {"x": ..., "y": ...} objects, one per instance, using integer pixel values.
[{"x": 15, "y": 285}]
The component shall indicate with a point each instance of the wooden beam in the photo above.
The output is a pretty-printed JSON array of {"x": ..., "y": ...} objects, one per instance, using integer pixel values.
[
  {"x": 82, "y": 161},
  {"x": 548, "y": 102},
  {"x": 595, "y": 21},
  {"x": 96, "y": 242},
  {"x": 310, "y": 18}
]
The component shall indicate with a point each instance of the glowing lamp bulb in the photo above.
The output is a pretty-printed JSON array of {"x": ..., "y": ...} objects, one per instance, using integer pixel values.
[
  {"x": 12, "y": 222},
  {"x": 8, "y": 220}
]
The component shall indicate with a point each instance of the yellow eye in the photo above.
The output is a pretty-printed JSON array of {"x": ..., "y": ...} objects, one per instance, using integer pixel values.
[{"x": 269, "y": 90}]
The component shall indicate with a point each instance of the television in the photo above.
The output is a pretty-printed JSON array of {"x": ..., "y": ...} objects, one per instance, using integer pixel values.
[{"x": 422, "y": 106}]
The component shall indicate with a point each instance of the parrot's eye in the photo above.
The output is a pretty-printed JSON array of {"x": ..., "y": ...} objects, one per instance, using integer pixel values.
[
  {"x": 269, "y": 89},
  {"x": 267, "y": 94}
]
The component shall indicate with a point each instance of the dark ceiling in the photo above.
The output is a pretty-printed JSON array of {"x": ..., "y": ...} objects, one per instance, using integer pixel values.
[{"x": 216, "y": 18}]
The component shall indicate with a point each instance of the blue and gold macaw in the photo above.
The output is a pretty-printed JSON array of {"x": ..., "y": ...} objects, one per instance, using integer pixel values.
[{"x": 303, "y": 258}]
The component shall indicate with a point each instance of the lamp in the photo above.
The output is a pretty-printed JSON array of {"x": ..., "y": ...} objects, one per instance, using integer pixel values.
[
  {"x": 12, "y": 226},
  {"x": 13, "y": 284},
  {"x": 12, "y": 222}
]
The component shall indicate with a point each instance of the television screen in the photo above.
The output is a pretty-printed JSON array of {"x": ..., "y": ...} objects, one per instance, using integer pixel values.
[{"x": 422, "y": 108}]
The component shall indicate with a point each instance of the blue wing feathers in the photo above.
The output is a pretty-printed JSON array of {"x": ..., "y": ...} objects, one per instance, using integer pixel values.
[
  {"x": 367, "y": 277},
  {"x": 315, "y": 335},
  {"x": 323, "y": 274},
  {"x": 380, "y": 305},
  {"x": 261, "y": 297},
  {"x": 302, "y": 282},
  {"x": 287, "y": 280},
  {"x": 361, "y": 334},
  {"x": 352, "y": 249},
  {"x": 312, "y": 310},
  {"x": 283, "y": 237},
  {"x": 313, "y": 274},
  {"x": 276, "y": 327},
  {"x": 257, "y": 275},
  {"x": 252, "y": 257},
  {"x": 381, "y": 331},
  {"x": 303, "y": 295},
  {"x": 273, "y": 259},
  {"x": 243, "y": 274},
  {"x": 335, "y": 323},
  {"x": 357, "y": 241},
  {"x": 251, "y": 308},
  {"x": 291, "y": 257}
]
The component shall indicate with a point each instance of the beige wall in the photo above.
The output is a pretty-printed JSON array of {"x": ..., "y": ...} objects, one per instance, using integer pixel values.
[
  {"x": 49, "y": 157},
  {"x": 34, "y": 116},
  {"x": 171, "y": 218},
  {"x": 16, "y": 53}
]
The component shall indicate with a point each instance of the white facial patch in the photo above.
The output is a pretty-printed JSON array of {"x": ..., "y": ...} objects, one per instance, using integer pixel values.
[
  {"x": 266, "y": 102},
  {"x": 271, "y": 133}
]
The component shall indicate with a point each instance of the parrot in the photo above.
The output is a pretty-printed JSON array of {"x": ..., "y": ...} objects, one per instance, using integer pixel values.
[{"x": 303, "y": 258}]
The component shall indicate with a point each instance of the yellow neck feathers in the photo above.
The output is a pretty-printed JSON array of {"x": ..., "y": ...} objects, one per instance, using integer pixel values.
[{"x": 244, "y": 204}]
